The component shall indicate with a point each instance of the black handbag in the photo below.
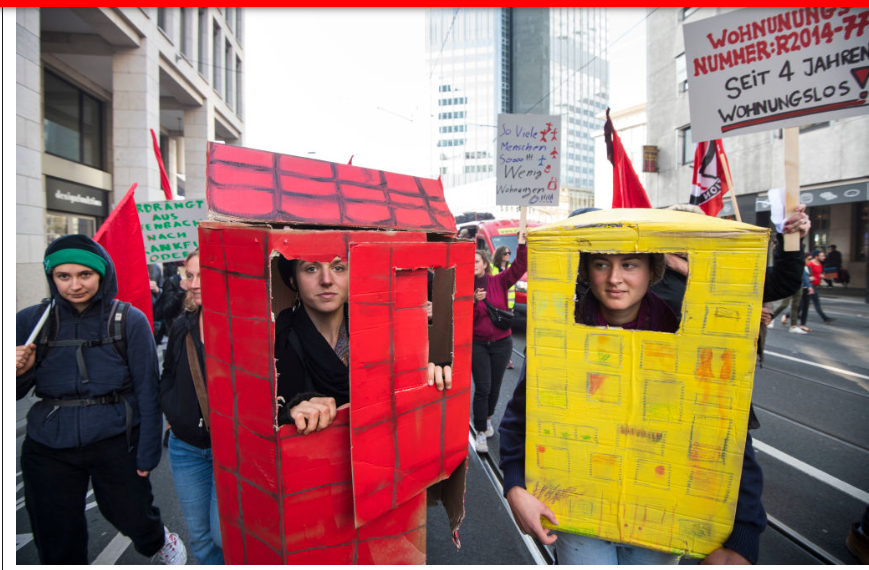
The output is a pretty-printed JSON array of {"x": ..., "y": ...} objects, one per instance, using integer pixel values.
[{"x": 500, "y": 318}]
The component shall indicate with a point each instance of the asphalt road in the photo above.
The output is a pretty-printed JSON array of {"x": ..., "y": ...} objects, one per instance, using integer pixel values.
[{"x": 812, "y": 399}]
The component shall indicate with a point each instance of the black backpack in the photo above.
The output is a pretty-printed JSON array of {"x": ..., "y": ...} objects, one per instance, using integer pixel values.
[{"x": 116, "y": 335}]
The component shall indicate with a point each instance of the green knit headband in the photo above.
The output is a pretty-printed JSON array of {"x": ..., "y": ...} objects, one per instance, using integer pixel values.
[{"x": 72, "y": 255}]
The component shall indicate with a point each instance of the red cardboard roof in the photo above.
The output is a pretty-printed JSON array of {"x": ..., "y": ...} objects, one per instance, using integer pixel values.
[{"x": 254, "y": 185}]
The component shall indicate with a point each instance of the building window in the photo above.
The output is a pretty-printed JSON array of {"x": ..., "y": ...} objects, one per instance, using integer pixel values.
[
  {"x": 73, "y": 122},
  {"x": 215, "y": 58},
  {"x": 686, "y": 12},
  {"x": 161, "y": 19},
  {"x": 860, "y": 248},
  {"x": 228, "y": 91},
  {"x": 681, "y": 74},
  {"x": 238, "y": 26},
  {"x": 238, "y": 106},
  {"x": 813, "y": 127},
  {"x": 185, "y": 32},
  {"x": 203, "y": 43},
  {"x": 687, "y": 145},
  {"x": 820, "y": 218}
]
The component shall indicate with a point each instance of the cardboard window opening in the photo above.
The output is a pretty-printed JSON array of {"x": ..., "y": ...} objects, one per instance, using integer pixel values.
[{"x": 674, "y": 298}]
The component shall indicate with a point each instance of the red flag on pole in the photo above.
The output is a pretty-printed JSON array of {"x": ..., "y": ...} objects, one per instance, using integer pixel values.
[
  {"x": 164, "y": 179},
  {"x": 121, "y": 235},
  {"x": 709, "y": 183},
  {"x": 628, "y": 191}
]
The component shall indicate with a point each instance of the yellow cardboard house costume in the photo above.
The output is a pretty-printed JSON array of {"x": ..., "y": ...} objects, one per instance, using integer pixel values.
[{"x": 638, "y": 436}]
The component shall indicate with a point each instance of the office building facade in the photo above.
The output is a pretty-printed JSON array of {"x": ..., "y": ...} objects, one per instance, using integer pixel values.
[
  {"x": 91, "y": 85},
  {"x": 487, "y": 61},
  {"x": 834, "y": 172}
]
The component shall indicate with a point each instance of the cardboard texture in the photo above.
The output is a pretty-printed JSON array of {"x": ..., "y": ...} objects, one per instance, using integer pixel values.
[
  {"x": 287, "y": 498},
  {"x": 637, "y": 436},
  {"x": 253, "y": 185}
]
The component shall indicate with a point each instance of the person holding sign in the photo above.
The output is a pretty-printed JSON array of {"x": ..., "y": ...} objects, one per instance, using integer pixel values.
[{"x": 492, "y": 344}]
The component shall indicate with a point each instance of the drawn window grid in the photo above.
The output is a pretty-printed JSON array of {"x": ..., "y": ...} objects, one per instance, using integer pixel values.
[
  {"x": 604, "y": 388},
  {"x": 640, "y": 444},
  {"x": 550, "y": 307},
  {"x": 607, "y": 347},
  {"x": 712, "y": 401},
  {"x": 558, "y": 266},
  {"x": 605, "y": 467},
  {"x": 709, "y": 484},
  {"x": 655, "y": 474},
  {"x": 663, "y": 400},
  {"x": 647, "y": 510},
  {"x": 728, "y": 274},
  {"x": 552, "y": 388},
  {"x": 694, "y": 527},
  {"x": 551, "y": 458},
  {"x": 707, "y": 449},
  {"x": 655, "y": 356},
  {"x": 716, "y": 364},
  {"x": 550, "y": 338},
  {"x": 713, "y": 320},
  {"x": 565, "y": 431}
]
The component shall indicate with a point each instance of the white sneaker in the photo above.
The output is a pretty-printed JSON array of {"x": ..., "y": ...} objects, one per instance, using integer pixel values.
[
  {"x": 490, "y": 431},
  {"x": 481, "y": 445},
  {"x": 771, "y": 325},
  {"x": 173, "y": 551},
  {"x": 798, "y": 330}
]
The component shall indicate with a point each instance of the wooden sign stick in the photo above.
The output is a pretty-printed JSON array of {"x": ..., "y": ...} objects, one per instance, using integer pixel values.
[
  {"x": 792, "y": 182},
  {"x": 523, "y": 212}
]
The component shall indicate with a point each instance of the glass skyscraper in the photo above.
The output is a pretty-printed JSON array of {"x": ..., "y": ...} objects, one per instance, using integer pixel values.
[{"x": 487, "y": 61}]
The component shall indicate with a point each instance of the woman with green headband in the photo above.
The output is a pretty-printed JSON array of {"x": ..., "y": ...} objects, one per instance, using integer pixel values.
[{"x": 98, "y": 417}]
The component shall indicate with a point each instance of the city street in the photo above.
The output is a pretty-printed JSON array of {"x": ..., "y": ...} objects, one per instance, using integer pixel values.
[{"x": 812, "y": 399}]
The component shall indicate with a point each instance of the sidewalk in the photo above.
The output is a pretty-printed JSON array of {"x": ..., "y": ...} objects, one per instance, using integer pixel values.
[{"x": 849, "y": 293}]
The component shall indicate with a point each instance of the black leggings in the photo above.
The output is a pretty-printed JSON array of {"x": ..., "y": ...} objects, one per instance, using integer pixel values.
[{"x": 488, "y": 365}]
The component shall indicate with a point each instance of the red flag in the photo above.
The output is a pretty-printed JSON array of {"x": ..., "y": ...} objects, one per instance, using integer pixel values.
[
  {"x": 121, "y": 235},
  {"x": 164, "y": 179},
  {"x": 628, "y": 191},
  {"x": 709, "y": 184}
]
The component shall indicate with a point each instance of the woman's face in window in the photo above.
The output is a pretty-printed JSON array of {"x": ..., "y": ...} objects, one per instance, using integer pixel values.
[
  {"x": 619, "y": 282},
  {"x": 323, "y": 287}
]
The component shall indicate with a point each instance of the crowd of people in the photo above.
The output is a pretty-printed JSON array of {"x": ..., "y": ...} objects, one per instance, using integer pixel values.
[{"x": 101, "y": 395}]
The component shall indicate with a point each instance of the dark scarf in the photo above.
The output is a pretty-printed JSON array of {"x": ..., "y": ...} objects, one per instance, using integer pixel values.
[
  {"x": 325, "y": 373},
  {"x": 654, "y": 314}
]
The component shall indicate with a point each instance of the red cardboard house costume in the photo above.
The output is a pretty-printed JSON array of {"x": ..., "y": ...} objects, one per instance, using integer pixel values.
[{"x": 356, "y": 491}]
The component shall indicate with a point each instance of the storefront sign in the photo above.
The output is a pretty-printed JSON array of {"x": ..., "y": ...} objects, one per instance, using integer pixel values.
[
  {"x": 528, "y": 164},
  {"x": 760, "y": 69},
  {"x": 170, "y": 227},
  {"x": 824, "y": 196},
  {"x": 66, "y": 196}
]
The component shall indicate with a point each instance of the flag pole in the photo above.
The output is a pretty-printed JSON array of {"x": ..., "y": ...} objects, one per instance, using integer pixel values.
[
  {"x": 792, "y": 182},
  {"x": 723, "y": 158}
]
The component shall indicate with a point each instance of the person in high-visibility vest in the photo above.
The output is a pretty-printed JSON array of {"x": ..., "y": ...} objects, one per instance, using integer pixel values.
[{"x": 500, "y": 262}]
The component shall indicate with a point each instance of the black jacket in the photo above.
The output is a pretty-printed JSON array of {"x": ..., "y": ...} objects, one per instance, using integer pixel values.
[
  {"x": 58, "y": 376},
  {"x": 177, "y": 392}
]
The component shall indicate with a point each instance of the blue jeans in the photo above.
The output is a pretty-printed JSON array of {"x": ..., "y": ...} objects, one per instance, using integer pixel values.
[
  {"x": 193, "y": 473},
  {"x": 584, "y": 550}
]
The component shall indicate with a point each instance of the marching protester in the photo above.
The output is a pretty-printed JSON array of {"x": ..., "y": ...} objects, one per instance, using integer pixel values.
[
  {"x": 815, "y": 265},
  {"x": 184, "y": 398},
  {"x": 636, "y": 307},
  {"x": 312, "y": 346},
  {"x": 169, "y": 305},
  {"x": 500, "y": 262},
  {"x": 493, "y": 343},
  {"x": 833, "y": 270},
  {"x": 94, "y": 367}
]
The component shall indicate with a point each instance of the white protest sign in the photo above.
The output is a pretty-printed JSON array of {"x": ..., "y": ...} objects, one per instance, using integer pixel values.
[
  {"x": 760, "y": 69},
  {"x": 169, "y": 228},
  {"x": 528, "y": 160}
]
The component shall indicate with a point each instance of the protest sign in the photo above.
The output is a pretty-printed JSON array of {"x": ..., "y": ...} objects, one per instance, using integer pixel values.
[
  {"x": 760, "y": 69},
  {"x": 169, "y": 228},
  {"x": 528, "y": 165}
]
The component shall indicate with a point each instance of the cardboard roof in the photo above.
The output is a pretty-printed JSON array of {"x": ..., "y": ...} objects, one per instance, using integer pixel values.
[{"x": 253, "y": 185}]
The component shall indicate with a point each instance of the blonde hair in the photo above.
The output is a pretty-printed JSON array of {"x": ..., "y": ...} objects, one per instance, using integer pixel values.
[{"x": 189, "y": 304}]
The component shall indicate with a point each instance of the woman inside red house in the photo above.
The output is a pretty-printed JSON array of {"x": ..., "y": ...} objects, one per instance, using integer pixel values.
[{"x": 312, "y": 346}]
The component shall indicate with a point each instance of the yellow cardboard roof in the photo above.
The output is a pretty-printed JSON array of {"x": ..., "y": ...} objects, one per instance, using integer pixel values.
[{"x": 638, "y": 436}]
